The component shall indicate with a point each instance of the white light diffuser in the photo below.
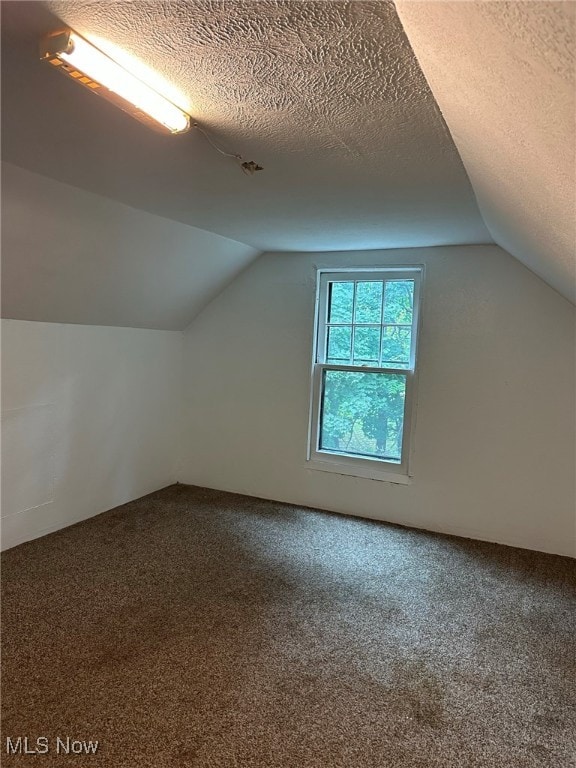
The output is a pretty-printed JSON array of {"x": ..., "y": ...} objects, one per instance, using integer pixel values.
[{"x": 81, "y": 61}]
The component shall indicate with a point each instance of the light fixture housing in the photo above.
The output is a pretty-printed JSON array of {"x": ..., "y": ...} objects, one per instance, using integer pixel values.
[{"x": 81, "y": 61}]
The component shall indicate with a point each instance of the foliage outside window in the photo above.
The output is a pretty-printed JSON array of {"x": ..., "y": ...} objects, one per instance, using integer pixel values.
[{"x": 364, "y": 369}]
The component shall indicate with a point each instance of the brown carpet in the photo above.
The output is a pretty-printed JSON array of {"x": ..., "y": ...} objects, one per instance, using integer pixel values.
[{"x": 200, "y": 628}]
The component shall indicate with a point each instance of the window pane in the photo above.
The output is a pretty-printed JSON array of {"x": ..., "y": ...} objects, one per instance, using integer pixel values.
[
  {"x": 396, "y": 347},
  {"x": 363, "y": 414},
  {"x": 368, "y": 302},
  {"x": 341, "y": 302},
  {"x": 366, "y": 346},
  {"x": 339, "y": 344},
  {"x": 398, "y": 301}
]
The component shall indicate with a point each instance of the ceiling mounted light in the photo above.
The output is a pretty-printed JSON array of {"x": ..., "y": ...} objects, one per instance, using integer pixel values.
[{"x": 82, "y": 62}]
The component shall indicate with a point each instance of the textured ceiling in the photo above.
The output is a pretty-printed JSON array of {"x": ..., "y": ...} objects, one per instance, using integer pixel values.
[
  {"x": 503, "y": 74},
  {"x": 327, "y": 96}
]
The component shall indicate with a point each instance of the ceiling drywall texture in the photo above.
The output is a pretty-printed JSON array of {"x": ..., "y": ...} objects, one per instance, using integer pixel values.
[
  {"x": 70, "y": 256},
  {"x": 327, "y": 96},
  {"x": 503, "y": 74}
]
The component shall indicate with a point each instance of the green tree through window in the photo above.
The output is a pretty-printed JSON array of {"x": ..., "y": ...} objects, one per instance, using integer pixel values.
[{"x": 364, "y": 365}]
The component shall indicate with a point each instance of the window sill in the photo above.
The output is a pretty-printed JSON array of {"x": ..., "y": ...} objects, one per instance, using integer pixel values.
[{"x": 369, "y": 473}]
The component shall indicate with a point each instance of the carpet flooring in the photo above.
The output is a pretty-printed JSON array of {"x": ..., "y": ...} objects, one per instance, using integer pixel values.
[{"x": 195, "y": 628}]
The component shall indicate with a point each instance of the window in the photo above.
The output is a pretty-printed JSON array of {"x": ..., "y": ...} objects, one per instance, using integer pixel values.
[{"x": 364, "y": 369}]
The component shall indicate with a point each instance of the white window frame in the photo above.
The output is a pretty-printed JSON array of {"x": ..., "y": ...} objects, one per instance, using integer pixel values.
[{"x": 343, "y": 463}]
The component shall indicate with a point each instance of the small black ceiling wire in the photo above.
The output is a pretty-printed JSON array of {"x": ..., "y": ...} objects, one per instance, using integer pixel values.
[{"x": 249, "y": 167}]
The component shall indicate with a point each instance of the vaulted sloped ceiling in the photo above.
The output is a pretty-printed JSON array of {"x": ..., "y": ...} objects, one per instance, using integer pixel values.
[
  {"x": 69, "y": 256},
  {"x": 327, "y": 96},
  {"x": 503, "y": 74}
]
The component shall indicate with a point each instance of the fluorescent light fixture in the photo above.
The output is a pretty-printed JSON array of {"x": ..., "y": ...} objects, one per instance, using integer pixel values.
[{"x": 82, "y": 62}]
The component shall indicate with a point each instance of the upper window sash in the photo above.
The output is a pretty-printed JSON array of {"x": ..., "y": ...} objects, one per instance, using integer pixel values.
[{"x": 359, "y": 276}]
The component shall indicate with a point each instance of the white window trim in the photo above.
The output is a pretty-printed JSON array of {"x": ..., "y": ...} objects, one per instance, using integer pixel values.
[{"x": 346, "y": 464}]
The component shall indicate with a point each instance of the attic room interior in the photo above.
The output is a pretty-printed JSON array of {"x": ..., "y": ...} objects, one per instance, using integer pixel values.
[{"x": 288, "y": 384}]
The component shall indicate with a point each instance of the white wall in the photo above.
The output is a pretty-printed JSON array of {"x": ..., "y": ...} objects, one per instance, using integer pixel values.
[
  {"x": 90, "y": 420},
  {"x": 494, "y": 444}
]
